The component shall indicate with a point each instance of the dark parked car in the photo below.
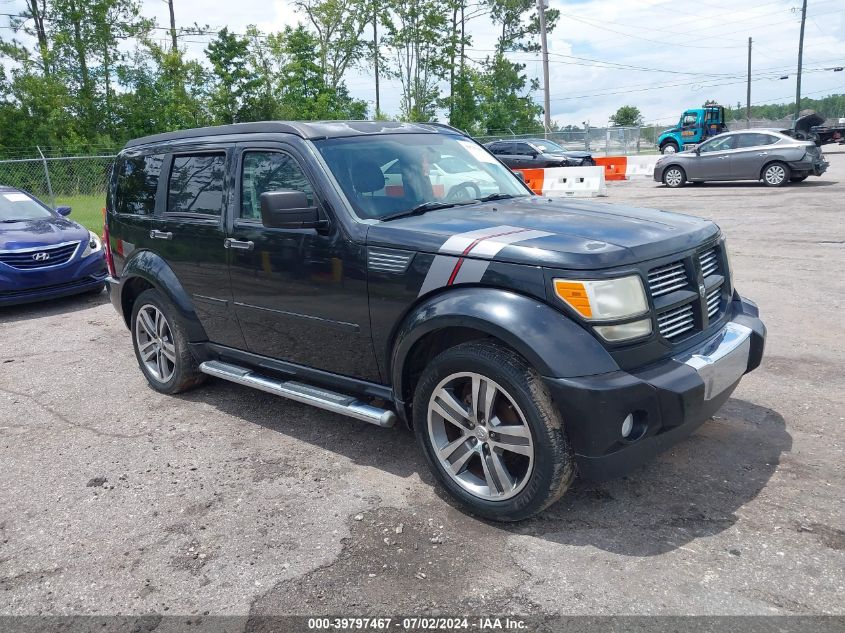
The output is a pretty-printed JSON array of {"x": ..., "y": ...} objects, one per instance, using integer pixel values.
[
  {"x": 523, "y": 339},
  {"x": 765, "y": 155},
  {"x": 537, "y": 153},
  {"x": 43, "y": 255}
]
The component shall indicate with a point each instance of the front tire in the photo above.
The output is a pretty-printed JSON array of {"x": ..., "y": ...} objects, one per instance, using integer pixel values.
[
  {"x": 674, "y": 177},
  {"x": 491, "y": 433},
  {"x": 161, "y": 346},
  {"x": 775, "y": 175},
  {"x": 669, "y": 148}
]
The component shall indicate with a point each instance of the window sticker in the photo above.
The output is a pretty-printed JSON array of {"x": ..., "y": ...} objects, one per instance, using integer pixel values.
[
  {"x": 477, "y": 152},
  {"x": 16, "y": 197}
]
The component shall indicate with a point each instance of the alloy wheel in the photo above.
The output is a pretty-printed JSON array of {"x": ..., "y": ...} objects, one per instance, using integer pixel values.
[
  {"x": 154, "y": 339},
  {"x": 775, "y": 174},
  {"x": 480, "y": 436},
  {"x": 674, "y": 177}
]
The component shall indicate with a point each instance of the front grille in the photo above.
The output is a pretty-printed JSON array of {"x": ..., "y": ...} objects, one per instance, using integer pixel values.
[
  {"x": 665, "y": 279},
  {"x": 709, "y": 262},
  {"x": 34, "y": 258},
  {"x": 676, "y": 321},
  {"x": 688, "y": 293},
  {"x": 714, "y": 300}
]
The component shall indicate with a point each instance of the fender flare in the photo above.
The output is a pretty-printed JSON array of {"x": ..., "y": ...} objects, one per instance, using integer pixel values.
[
  {"x": 551, "y": 342},
  {"x": 152, "y": 268}
]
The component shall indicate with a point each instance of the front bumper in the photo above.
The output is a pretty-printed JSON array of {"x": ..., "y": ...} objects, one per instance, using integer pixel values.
[
  {"x": 78, "y": 276},
  {"x": 668, "y": 400}
]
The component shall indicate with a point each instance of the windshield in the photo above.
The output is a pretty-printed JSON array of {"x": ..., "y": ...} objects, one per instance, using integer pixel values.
[
  {"x": 15, "y": 205},
  {"x": 549, "y": 147},
  {"x": 391, "y": 173}
]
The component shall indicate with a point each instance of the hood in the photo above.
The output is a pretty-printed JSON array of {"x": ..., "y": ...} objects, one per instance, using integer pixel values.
[
  {"x": 40, "y": 232},
  {"x": 558, "y": 233},
  {"x": 576, "y": 154},
  {"x": 804, "y": 122}
]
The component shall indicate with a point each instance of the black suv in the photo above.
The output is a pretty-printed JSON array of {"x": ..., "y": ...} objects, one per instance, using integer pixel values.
[
  {"x": 536, "y": 153},
  {"x": 523, "y": 339}
]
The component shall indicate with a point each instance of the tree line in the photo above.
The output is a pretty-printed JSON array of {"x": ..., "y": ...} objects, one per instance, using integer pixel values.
[{"x": 86, "y": 74}]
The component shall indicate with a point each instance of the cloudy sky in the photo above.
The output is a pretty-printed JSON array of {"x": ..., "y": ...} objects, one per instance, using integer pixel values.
[{"x": 660, "y": 55}]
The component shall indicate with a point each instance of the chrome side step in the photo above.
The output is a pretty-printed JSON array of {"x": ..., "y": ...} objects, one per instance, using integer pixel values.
[{"x": 306, "y": 394}]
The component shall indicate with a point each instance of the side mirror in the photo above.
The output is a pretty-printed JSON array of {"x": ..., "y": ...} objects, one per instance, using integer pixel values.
[
  {"x": 698, "y": 151},
  {"x": 289, "y": 210},
  {"x": 63, "y": 211}
]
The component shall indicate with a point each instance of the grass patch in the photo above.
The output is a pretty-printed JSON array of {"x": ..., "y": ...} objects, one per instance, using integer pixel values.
[{"x": 87, "y": 210}]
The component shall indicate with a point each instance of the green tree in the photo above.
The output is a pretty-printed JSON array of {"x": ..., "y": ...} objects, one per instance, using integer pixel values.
[
  {"x": 415, "y": 31},
  {"x": 234, "y": 79},
  {"x": 627, "y": 116},
  {"x": 339, "y": 27}
]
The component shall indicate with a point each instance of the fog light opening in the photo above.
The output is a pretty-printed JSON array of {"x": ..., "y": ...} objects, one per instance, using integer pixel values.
[{"x": 627, "y": 425}]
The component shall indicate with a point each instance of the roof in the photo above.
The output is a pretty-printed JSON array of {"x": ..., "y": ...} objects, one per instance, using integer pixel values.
[{"x": 305, "y": 129}]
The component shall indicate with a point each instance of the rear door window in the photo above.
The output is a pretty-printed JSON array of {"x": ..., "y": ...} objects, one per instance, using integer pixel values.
[
  {"x": 196, "y": 184},
  {"x": 137, "y": 183},
  {"x": 755, "y": 139}
]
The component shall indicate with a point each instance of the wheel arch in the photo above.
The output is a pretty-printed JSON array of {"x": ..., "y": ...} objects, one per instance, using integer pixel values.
[
  {"x": 518, "y": 322},
  {"x": 146, "y": 270}
]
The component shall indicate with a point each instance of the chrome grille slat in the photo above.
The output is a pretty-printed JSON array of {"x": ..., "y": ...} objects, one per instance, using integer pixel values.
[
  {"x": 676, "y": 321},
  {"x": 714, "y": 300},
  {"x": 665, "y": 279},
  {"x": 709, "y": 262}
]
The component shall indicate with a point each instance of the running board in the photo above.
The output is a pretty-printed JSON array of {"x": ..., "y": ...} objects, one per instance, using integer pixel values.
[{"x": 306, "y": 394}]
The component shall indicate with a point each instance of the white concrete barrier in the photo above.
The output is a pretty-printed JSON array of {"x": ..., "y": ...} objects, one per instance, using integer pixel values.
[
  {"x": 574, "y": 182},
  {"x": 641, "y": 166}
]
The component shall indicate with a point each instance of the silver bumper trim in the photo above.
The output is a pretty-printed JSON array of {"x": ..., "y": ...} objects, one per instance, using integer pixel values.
[{"x": 722, "y": 360}]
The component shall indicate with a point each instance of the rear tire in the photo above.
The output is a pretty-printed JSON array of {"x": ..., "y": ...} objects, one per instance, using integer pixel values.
[
  {"x": 161, "y": 346},
  {"x": 775, "y": 174},
  {"x": 674, "y": 177},
  {"x": 503, "y": 476}
]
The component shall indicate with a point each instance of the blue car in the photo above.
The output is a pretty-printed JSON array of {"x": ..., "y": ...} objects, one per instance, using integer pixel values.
[{"x": 43, "y": 255}]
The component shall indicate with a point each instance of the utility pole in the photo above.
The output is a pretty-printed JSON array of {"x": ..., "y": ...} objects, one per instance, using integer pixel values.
[
  {"x": 748, "y": 92},
  {"x": 172, "y": 24},
  {"x": 800, "y": 59},
  {"x": 375, "y": 53},
  {"x": 541, "y": 12}
]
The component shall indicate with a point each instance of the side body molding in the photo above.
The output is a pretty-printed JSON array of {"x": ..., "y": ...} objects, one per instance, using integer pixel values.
[
  {"x": 153, "y": 269},
  {"x": 546, "y": 338}
]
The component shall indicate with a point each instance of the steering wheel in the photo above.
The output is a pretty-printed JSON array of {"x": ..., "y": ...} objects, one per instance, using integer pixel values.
[{"x": 463, "y": 192}]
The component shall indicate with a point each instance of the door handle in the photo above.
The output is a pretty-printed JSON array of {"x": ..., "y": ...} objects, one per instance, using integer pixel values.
[
  {"x": 161, "y": 235},
  {"x": 763, "y": 154},
  {"x": 238, "y": 245},
  {"x": 723, "y": 157}
]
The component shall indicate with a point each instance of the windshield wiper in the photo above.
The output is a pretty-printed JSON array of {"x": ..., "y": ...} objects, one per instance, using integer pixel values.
[
  {"x": 13, "y": 220},
  {"x": 420, "y": 209},
  {"x": 496, "y": 196}
]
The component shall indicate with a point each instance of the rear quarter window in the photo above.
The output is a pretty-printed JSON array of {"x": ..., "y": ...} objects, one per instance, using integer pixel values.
[{"x": 137, "y": 182}]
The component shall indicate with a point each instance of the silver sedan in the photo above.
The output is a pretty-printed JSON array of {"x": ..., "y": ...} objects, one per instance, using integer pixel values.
[{"x": 765, "y": 155}]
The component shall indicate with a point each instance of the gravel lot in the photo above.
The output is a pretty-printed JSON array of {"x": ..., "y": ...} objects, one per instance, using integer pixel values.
[{"x": 117, "y": 500}]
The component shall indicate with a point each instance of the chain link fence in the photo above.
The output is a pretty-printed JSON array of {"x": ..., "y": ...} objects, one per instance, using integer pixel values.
[
  {"x": 607, "y": 141},
  {"x": 55, "y": 179},
  {"x": 81, "y": 180}
]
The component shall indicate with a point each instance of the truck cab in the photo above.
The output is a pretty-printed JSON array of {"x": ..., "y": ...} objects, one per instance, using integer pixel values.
[{"x": 694, "y": 127}]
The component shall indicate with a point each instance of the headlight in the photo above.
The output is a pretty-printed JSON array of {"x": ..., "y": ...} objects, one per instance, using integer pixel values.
[
  {"x": 603, "y": 299},
  {"x": 94, "y": 244},
  {"x": 624, "y": 331}
]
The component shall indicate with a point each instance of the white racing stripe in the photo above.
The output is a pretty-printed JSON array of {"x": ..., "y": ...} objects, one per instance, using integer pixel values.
[{"x": 474, "y": 249}]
